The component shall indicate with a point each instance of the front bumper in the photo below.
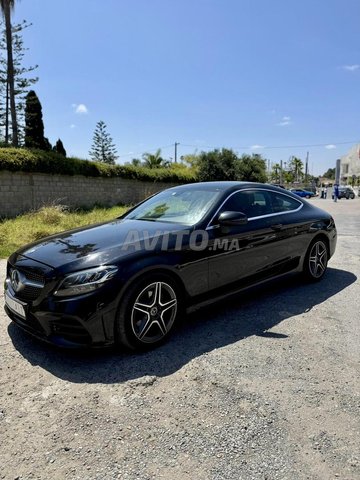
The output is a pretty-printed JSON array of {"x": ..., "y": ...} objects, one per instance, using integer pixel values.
[{"x": 84, "y": 321}]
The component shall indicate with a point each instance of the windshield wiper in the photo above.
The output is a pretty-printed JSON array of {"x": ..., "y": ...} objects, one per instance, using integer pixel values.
[{"x": 147, "y": 219}]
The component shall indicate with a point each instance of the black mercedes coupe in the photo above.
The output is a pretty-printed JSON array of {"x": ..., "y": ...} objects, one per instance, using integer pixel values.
[{"x": 129, "y": 281}]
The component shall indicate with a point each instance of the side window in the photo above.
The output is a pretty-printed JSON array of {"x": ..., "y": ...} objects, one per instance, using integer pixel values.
[
  {"x": 283, "y": 203},
  {"x": 252, "y": 203}
]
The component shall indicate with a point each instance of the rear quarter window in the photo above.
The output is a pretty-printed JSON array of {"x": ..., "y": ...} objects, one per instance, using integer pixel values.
[{"x": 283, "y": 203}]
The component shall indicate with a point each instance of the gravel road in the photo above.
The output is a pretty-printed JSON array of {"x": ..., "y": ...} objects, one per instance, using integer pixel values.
[{"x": 262, "y": 386}]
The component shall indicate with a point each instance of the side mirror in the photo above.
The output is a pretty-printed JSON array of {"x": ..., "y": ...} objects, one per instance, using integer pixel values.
[{"x": 232, "y": 219}]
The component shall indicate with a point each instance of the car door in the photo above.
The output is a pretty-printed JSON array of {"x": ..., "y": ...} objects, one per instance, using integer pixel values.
[
  {"x": 289, "y": 225},
  {"x": 240, "y": 252}
]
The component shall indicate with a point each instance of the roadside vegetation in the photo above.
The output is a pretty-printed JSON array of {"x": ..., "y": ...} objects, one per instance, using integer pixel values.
[
  {"x": 222, "y": 164},
  {"x": 49, "y": 220},
  {"x": 41, "y": 161}
]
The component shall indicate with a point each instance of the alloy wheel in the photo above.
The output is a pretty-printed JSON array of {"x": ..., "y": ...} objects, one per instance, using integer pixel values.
[
  {"x": 154, "y": 312},
  {"x": 318, "y": 259}
]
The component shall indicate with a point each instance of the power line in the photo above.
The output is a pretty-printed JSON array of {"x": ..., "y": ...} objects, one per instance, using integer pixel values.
[
  {"x": 265, "y": 147},
  {"x": 307, "y": 145}
]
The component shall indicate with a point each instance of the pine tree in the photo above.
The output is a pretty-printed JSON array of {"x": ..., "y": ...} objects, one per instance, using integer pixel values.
[
  {"x": 6, "y": 7},
  {"x": 103, "y": 148},
  {"x": 22, "y": 83},
  {"x": 47, "y": 145},
  {"x": 59, "y": 148},
  {"x": 34, "y": 125}
]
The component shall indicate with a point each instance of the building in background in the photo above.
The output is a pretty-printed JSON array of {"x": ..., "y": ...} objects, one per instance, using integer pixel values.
[{"x": 350, "y": 166}]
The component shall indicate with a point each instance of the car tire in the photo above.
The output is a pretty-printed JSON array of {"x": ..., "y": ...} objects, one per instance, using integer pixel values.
[
  {"x": 148, "y": 312},
  {"x": 316, "y": 260},
  {"x": 307, "y": 196}
]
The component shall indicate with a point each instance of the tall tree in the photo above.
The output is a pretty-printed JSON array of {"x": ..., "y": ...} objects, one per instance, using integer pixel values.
[
  {"x": 21, "y": 78},
  {"x": 34, "y": 125},
  {"x": 252, "y": 168},
  {"x": 103, "y": 148},
  {"x": 59, "y": 148},
  {"x": 6, "y": 7},
  {"x": 296, "y": 168},
  {"x": 276, "y": 172},
  {"x": 218, "y": 165}
]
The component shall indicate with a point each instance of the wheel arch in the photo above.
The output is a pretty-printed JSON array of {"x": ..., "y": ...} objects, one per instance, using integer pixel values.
[
  {"x": 120, "y": 330},
  {"x": 318, "y": 236},
  {"x": 156, "y": 270},
  {"x": 321, "y": 236},
  {"x": 306, "y": 269}
]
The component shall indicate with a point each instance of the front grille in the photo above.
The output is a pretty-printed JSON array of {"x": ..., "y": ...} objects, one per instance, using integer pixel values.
[
  {"x": 30, "y": 292},
  {"x": 35, "y": 277}
]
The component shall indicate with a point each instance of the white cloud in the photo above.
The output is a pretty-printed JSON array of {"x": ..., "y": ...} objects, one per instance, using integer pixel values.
[
  {"x": 330, "y": 146},
  {"x": 72, "y": 126},
  {"x": 80, "y": 108},
  {"x": 286, "y": 120},
  {"x": 351, "y": 68},
  {"x": 256, "y": 147}
]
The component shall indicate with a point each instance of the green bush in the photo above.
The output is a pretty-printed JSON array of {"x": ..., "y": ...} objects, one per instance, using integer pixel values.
[
  {"x": 26, "y": 160},
  {"x": 225, "y": 164}
]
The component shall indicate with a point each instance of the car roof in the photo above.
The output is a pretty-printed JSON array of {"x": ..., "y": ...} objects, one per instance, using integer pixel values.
[{"x": 228, "y": 185}]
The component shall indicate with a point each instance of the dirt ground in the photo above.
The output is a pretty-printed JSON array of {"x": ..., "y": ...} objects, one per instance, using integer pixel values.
[{"x": 262, "y": 386}]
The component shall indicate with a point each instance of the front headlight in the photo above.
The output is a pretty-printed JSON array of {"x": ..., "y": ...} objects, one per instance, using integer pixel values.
[{"x": 85, "y": 281}]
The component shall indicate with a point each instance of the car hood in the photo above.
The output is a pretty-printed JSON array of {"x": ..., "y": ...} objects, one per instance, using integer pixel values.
[{"x": 98, "y": 244}]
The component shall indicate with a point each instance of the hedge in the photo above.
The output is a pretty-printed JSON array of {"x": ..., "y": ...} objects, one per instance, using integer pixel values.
[{"x": 39, "y": 161}]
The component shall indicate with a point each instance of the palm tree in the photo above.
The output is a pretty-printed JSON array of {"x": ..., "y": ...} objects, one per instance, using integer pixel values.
[
  {"x": 296, "y": 166},
  {"x": 154, "y": 160},
  {"x": 6, "y": 7},
  {"x": 276, "y": 172}
]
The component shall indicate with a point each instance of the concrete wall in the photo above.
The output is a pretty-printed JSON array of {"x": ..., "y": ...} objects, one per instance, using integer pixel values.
[{"x": 21, "y": 192}]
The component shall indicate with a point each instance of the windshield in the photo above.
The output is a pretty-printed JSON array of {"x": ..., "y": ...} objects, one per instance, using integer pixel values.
[{"x": 183, "y": 206}]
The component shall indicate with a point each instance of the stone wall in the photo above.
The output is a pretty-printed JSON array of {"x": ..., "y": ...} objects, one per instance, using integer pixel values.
[{"x": 21, "y": 192}]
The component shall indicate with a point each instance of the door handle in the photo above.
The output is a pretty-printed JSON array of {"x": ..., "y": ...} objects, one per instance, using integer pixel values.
[{"x": 277, "y": 227}]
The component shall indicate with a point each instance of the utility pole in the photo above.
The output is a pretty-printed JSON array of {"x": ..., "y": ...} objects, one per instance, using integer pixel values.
[
  {"x": 337, "y": 171},
  {"x": 176, "y": 144},
  {"x": 306, "y": 167},
  {"x": 281, "y": 172}
]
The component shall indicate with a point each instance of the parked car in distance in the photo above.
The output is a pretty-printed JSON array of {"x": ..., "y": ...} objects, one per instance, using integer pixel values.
[
  {"x": 302, "y": 193},
  {"x": 129, "y": 281},
  {"x": 346, "y": 192}
]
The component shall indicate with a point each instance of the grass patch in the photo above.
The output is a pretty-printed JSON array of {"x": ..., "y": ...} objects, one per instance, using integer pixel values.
[{"x": 48, "y": 220}]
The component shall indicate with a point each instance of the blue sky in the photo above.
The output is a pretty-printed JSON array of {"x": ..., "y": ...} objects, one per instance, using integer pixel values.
[{"x": 243, "y": 74}]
